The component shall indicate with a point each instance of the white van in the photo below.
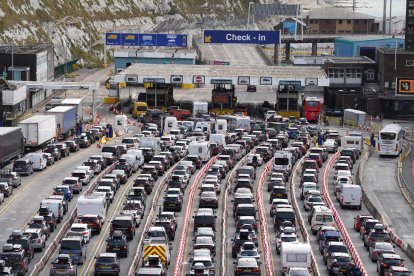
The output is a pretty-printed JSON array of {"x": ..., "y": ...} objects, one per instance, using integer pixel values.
[
  {"x": 354, "y": 142},
  {"x": 240, "y": 152},
  {"x": 96, "y": 205},
  {"x": 138, "y": 155},
  {"x": 306, "y": 187},
  {"x": 283, "y": 161},
  {"x": 221, "y": 126},
  {"x": 350, "y": 196},
  {"x": 295, "y": 255},
  {"x": 321, "y": 217},
  {"x": 220, "y": 139},
  {"x": 131, "y": 142},
  {"x": 201, "y": 149},
  {"x": 54, "y": 205},
  {"x": 130, "y": 159},
  {"x": 39, "y": 162},
  {"x": 170, "y": 123}
]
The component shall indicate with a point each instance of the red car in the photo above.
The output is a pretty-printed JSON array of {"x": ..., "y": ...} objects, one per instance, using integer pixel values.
[
  {"x": 317, "y": 157},
  {"x": 358, "y": 220}
]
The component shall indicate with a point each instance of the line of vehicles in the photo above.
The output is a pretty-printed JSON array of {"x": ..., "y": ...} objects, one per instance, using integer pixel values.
[{"x": 19, "y": 248}]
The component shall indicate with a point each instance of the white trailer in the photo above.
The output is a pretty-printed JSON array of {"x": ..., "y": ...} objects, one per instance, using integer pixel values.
[
  {"x": 354, "y": 117},
  {"x": 93, "y": 205},
  {"x": 201, "y": 149},
  {"x": 38, "y": 130},
  {"x": 295, "y": 255},
  {"x": 150, "y": 142},
  {"x": 78, "y": 104},
  {"x": 65, "y": 120},
  {"x": 221, "y": 126}
]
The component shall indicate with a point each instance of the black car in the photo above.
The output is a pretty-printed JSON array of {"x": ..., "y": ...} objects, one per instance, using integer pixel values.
[
  {"x": 73, "y": 146},
  {"x": 196, "y": 160},
  {"x": 63, "y": 149},
  {"x": 83, "y": 142},
  {"x": 172, "y": 203},
  {"x": 54, "y": 151},
  {"x": 116, "y": 153},
  {"x": 148, "y": 169},
  {"x": 107, "y": 263},
  {"x": 18, "y": 238},
  {"x": 117, "y": 243},
  {"x": 125, "y": 167},
  {"x": 148, "y": 154}
]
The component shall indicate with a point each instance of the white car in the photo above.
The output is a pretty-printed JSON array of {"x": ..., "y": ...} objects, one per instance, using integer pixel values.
[
  {"x": 108, "y": 190},
  {"x": 1, "y": 198},
  {"x": 330, "y": 145},
  {"x": 250, "y": 159},
  {"x": 184, "y": 174},
  {"x": 38, "y": 238},
  {"x": 82, "y": 228}
]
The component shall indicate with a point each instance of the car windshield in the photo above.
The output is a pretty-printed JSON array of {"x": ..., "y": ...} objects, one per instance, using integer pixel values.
[
  {"x": 70, "y": 181},
  {"x": 203, "y": 219},
  {"x": 314, "y": 199},
  {"x": 388, "y": 136},
  {"x": 392, "y": 262},
  {"x": 379, "y": 235},
  {"x": 70, "y": 245},
  {"x": 248, "y": 253},
  {"x": 338, "y": 248},
  {"x": 156, "y": 234},
  {"x": 342, "y": 259},
  {"x": 281, "y": 216},
  {"x": 20, "y": 164},
  {"x": 89, "y": 219},
  {"x": 106, "y": 260},
  {"x": 77, "y": 229},
  {"x": 288, "y": 239},
  {"x": 324, "y": 218},
  {"x": 281, "y": 161},
  {"x": 116, "y": 242}
]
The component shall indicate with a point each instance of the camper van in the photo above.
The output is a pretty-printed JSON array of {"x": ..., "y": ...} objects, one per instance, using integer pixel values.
[
  {"x": 354, "y": 141},
  {"x": 221, "y": 126},
  {"x": 201, "y": 149},
  {"x": 295, "y": 255},
  {"x": 220, "y": 139},
  {"x": 169, "y": 124}
]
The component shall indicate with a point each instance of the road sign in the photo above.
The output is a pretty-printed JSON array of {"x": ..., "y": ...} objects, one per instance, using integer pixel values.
[
  {"x": 221, "y": 81},
  {"x": 405, "y": 86},
  {"x": 172, "y": 40},
  {"x": 289, "y": 82},
  {"x": 113, "y": 39},
  {"x": 128, "y": 39},
  {"x": 219, "y": 62},
  {"x": 198, "y": 79},
  {"x": 241, "y": 37},
  {"x": 153, "y": 80},
  {"x": 147, "y": 40}
]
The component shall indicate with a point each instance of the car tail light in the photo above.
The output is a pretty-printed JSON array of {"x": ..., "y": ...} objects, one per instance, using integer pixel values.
[
  {"x": 256, "y": 269},
  {"x": 379, "y": 147},
  {"x": 396, "y": 147},
  {"x": 384, "y": 265}
]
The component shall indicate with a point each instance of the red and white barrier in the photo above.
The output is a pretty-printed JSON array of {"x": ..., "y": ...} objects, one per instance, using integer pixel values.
[
  {"x": 263, "y": 222},
  {"x": 340, "y": 225},
  {"x": 187, "y": 215},
  {"x": 301, "y": 223},
  {"x": 224, "y": 216}
]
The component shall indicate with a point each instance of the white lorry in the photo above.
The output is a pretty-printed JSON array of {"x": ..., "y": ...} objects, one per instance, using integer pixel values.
[
  {"x": 38, "y": 130},
  {"x": 200, "y": 108},
  {"x": 350, "y": 196},
  {"x": 94, "y": 204},
  {"x": 295, "y": 255}
]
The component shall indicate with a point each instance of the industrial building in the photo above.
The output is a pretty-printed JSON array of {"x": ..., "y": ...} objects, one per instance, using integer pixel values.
[
  {"x": 27, "y": 63},
  {"x": 332, "y": 20},
  {"x": 127, "y": 56},
  {"x": 362, "y": 46}
]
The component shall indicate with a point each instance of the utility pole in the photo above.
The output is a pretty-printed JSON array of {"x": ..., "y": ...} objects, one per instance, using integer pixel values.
[
  {"x": 384, "y": 17},
  {"x": 390, "y": 16}
]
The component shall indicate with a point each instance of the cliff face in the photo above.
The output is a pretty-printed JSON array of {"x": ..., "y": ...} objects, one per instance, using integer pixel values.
[{"x": 77, "y": 27}]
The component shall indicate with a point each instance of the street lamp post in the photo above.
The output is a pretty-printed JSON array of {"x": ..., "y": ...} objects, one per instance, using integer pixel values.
[{"x": 248, "y": 15}]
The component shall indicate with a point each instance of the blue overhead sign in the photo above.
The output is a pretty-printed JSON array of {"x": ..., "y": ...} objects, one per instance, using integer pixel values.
[
  {"x": 148, "y": 40},
  {"x": 171, "y": 40},
  {"x": 113, "y": 39},
  {"x": 129, "y": 39},
  {"x": 133, "y": 39},
  {"x": 241, "y": 37}
]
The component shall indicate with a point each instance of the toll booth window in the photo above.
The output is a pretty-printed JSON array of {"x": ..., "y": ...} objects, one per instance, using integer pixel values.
[
  {"x": 170, "y": 124},
  {"x": 119, "y": 123},
  {"x": 200, "y": 150}
]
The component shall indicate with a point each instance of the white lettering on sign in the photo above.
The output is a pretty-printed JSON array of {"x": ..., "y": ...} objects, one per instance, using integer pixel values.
[{"x": 234, "y": 37}]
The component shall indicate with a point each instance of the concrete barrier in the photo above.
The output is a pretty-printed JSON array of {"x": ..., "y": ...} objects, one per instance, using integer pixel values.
[
  {"x": 224, "y": 216},
  {"x": 184, "y": 234},
  {"x": 298, "y": 213},
  {"x": 65, "y": 227},
  {"x": 340, "y": 225},
  {"x": 148, "y": 223},
  {"x": 263, "y": 221}
]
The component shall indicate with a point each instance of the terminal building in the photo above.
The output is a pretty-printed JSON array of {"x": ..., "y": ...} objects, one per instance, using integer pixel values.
[{"x": 127, "y": 56}]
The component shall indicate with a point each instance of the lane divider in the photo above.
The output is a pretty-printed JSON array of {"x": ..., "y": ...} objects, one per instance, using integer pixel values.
[
  {"x": 54, "y": 244},
  {"x": 263, "y": 221},
  {"x": 138, "y": 253},
  {"x": 298, "y": 213},
  {"x": 338, "y": 221},
  {"x": 184, "y": 234},
  {"x": 224, "y": 216}
]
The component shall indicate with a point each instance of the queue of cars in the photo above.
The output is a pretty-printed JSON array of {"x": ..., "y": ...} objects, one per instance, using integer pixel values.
[{"x": 21, "y": 245}]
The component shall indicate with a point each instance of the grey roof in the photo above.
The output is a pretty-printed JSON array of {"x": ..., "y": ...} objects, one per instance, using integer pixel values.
[{"x": 335, "y": 13}]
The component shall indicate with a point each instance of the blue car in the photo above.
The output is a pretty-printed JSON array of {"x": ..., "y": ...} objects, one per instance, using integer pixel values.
[
  {"x": 293, "y": 132},
  {"x": 65, "y": 191}
]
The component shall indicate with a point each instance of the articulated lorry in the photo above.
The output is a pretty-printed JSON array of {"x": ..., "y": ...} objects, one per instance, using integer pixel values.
[
  {"x": 38, "y": 131},
  {"x": 65, "y": 120},
  {"x": 11, "y": 144}
]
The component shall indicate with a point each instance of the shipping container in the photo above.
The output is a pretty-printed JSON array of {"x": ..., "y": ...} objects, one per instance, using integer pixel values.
[
  {"x": 11, "y": 144},
  {"x": 38, "y": 130},
  {"x": 65, "y": 120},
  {"x": 354, "y": 117}
]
